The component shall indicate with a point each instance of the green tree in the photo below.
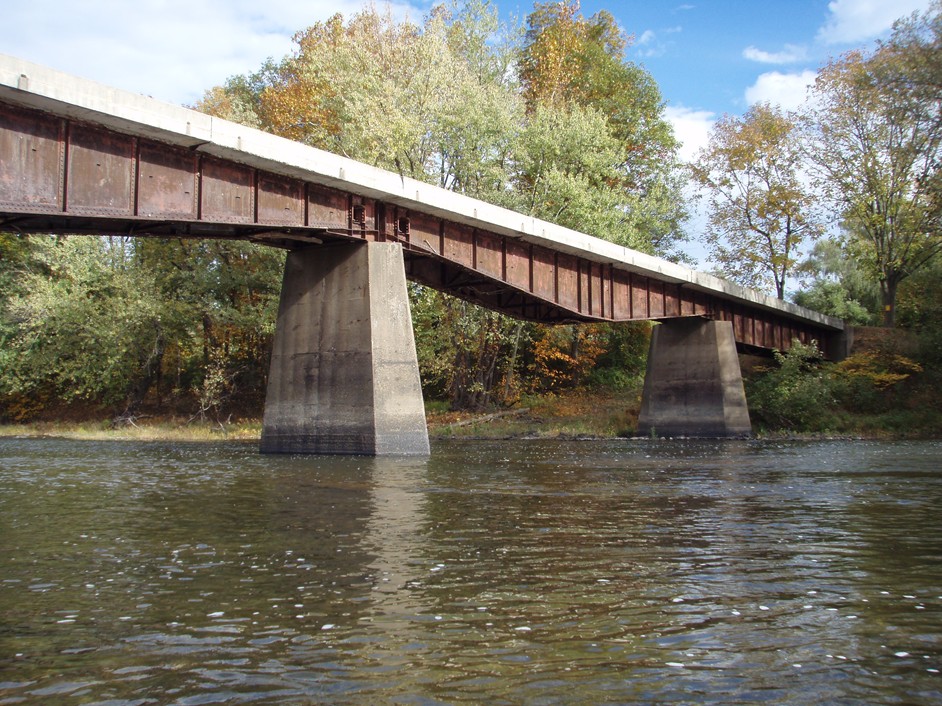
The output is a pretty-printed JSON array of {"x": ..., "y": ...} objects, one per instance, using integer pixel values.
[
  {"x": 834, "y": 284},
  {"x": 443, "y": 102},
  {"x": 567, "y": 61},
  {"x": 874, "y": 135},
  {"x": 793, "y": 394},
  {"x": 568, "y": 165},
  {"x": 85, "y": 325},
  {"x": 468, "y": 355},
  {"x": 920, "y": 311},
  {"x": 220, "y": 301},
  {"x": 760, "y": 211}
]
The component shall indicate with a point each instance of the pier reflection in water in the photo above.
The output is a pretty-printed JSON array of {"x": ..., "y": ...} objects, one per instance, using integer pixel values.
[{"x": 511, "y": 572}]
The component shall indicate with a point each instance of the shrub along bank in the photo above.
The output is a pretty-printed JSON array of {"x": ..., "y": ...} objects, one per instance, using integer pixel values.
[{"x": 888, "y": 386}]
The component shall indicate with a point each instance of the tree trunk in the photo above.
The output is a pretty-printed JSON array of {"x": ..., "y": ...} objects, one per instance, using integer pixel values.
[
  {"x": 888, "y": 290},
  {"x": 511, "y": 367}
]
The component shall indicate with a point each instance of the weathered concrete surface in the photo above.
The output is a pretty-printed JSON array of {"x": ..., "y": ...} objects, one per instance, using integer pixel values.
[
  {"x": 344, "y": 377},
  {"x": 693, "y": 385}
]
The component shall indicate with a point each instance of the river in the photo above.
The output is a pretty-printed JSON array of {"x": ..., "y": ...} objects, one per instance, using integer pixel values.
[{"x": 525, "y": 572}]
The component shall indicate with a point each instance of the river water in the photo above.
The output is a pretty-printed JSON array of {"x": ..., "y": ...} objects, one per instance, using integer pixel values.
[{"x": 526, "y": 572}]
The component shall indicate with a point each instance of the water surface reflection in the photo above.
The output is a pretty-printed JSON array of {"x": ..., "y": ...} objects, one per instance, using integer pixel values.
[{"x": 536, "y": 572}]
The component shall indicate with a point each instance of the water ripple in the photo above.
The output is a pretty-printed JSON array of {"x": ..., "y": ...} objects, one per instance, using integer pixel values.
[{"x": 541, "y": 572}]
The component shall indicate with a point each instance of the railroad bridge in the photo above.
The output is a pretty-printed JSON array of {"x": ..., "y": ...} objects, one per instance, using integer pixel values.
[{"x": 81, "y": 158}]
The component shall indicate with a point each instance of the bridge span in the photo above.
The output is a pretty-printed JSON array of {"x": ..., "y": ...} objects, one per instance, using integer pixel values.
[{"x": 78, "y": 157}]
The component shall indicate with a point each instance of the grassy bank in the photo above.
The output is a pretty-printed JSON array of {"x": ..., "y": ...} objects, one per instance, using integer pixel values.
[
  {"x": 574, "y": 414},
  {"x": 143, "y": 430}
]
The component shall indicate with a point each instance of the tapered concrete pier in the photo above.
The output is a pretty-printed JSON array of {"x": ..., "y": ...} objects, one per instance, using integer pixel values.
[
  {"x": 344, "y": 378},
  {"x": 693, "y": 383}
]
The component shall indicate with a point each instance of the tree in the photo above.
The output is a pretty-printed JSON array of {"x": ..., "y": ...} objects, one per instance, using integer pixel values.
[
  {"x": 760, "y": 210},
  {"x": 432, "y": 102},
  {"x": 467, "y": 354},
  {"x": 836, "y": 285},
  {"x": 114, "y": 321},
  {"x": 874, "y": 135},
  {"x": 567, "y": 162},
  {"x": 915, "y": 44},
  {"x": 84, "y": 325},
  {"x": 569, "y": 62},
  {"x": 443, "y": 102},
  {"x": 220, "y": 303}
]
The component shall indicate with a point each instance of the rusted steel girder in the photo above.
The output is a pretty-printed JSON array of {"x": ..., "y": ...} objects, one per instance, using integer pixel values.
[{"x": 63, "y": 175}]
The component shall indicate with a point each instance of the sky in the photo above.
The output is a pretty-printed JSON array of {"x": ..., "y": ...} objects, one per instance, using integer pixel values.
[{"x": 709, "y": 57}]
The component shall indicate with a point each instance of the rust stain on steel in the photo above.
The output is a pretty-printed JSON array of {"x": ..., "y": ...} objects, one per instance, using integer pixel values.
[
  {"x": 543, "y": 276},
  {"x": 32, "y": 149},
  {"x": 62, "y": 175},
  {"x": 457, "y": 245},
  {"x": 426, "y": 233},
  {"x": 326, "y": 208},
  {"x": 518, "y": 264},
  {"x": 227, "y": 191},
  {"x": 280, "y": 200},
  {"x": 101, "y": 172},
  {"x": 168, "y": 182}
]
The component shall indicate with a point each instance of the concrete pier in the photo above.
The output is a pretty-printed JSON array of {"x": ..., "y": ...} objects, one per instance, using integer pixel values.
[
  {"x": 344, "y": 378},
  {"x": 693, "y": 384}
]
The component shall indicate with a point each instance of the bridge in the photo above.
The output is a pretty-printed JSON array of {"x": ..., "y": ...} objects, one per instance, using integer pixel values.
[{"x": 78, "y": 157}]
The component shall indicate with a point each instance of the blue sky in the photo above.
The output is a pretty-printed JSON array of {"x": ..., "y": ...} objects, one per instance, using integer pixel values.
[
  {"x": 709, "y": 57},
  {"x": 715, "y": 57}
]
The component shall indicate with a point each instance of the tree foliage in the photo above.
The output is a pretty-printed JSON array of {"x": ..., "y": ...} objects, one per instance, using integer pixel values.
[
  {"x": 570, "y": 62},
  {"x": 794, "y": 393},
  {"x": 108, "y": 321},
  {"x": 837, "y": 286},
  {"x": 85, "y": 325},
  {"x": 874, "y": 131},
  {"x": 760, "y": 211},
  {"x": 582, "y": 143}
]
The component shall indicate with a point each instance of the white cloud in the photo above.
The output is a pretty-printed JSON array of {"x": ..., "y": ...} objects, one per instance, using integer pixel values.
[
  {"x": 170, "y": 49},
  {"x": 789, "y": 55},
  {"x": 650, "y": 44},
  {"x": 786, "y": 90},
  {"x": 851, "y": 21},
  {"x": 692, "y": 129}
]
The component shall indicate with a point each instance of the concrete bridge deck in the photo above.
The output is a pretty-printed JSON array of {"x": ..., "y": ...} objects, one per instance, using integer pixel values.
[{"x": 80, "y": 157}]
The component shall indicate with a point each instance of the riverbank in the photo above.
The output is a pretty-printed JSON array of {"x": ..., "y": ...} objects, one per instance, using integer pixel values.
[{"x": 570, "y": 415}]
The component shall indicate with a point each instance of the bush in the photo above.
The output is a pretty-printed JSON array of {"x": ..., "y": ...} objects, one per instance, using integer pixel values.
[
  {"x": 795, "y": 395},
  {"x": 868, "y": 381}
]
